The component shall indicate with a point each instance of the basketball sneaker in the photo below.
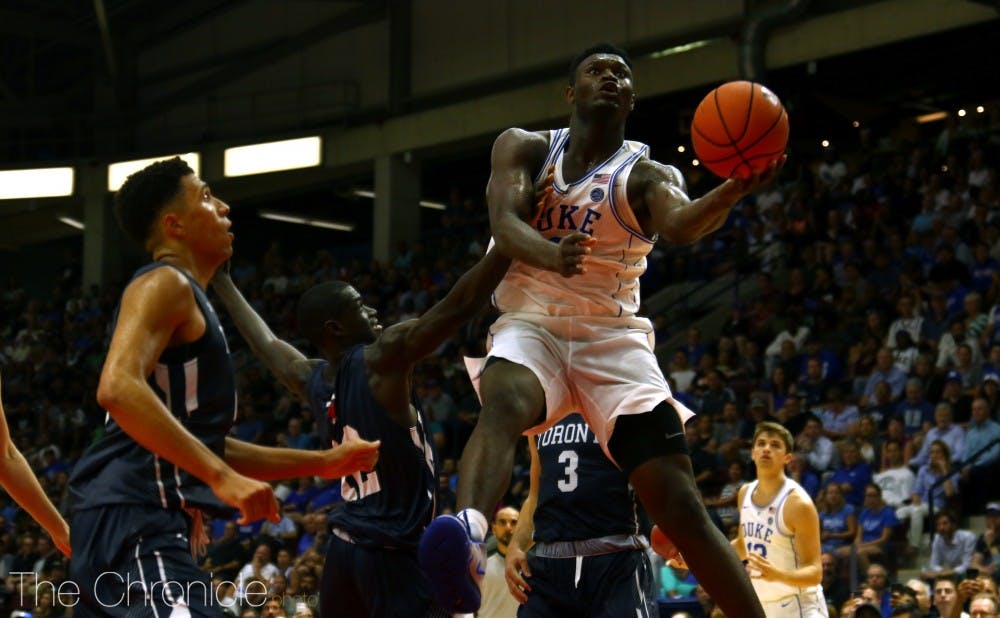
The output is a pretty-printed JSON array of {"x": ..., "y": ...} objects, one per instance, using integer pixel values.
[{"x": 454, "y": 560}]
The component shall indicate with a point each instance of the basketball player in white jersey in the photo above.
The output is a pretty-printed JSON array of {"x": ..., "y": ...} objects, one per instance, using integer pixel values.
[
  {"x": 779, "y": 532},
  {"x": 569, "y": 338}
]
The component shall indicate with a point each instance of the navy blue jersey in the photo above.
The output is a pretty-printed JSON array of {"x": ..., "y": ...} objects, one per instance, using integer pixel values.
[
  {"x": 196, "y": 383},
  {"x": 391, "y": 505},
  {"x": 582, "y": 495}
]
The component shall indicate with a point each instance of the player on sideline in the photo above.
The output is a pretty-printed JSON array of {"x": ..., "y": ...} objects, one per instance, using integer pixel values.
[
  {"x": 569, "y": 338},
  {"x": 362, "y": 386},
  {"x": 588, "y": 558},
  {"x": 19, "y": 480},
  {"x": 169, "y": 390},
  {"x": 779, "y": 532}
]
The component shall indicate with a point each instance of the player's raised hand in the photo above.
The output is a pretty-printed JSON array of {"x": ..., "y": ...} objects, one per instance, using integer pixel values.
[
  {"x": 758, "y": 180},
  {"x": 572, "y": 253},
  {"x": 516, "y": 570},
  {"x": 255, "y": 499},
  {"x": 352, "y": 455}
]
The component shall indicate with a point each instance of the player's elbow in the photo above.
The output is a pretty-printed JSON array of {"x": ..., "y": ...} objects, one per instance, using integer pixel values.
[{"x": 110, "y": 391}]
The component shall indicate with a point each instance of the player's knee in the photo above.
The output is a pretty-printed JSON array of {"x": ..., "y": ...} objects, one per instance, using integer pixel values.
[{"x": 638, "y": 438}]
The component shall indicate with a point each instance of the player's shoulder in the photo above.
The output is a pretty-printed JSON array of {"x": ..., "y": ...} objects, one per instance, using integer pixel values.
[
  {"x": 651, "y": 170},
  {"x": 799, "y": 503},
  {"x": 162, "y": 283},
  {"x": 529, "y": 144}
]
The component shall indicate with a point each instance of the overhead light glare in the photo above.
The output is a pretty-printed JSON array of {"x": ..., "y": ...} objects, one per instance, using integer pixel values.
[
  {"x": 70, "y": 221},
  {"x": 288, "y": 154},
  {"x": 301, "y": 220},
  {"x": 39, "y": 182},
  {"x": 931, "y": 117},
  {"x": 368, "y": 193},
  {"x": 680, "y": 49}
]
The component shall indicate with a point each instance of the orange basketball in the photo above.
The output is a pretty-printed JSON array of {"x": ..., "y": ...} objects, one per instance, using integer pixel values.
[
  {"x": 738, "y": 129},
  {"x": 661, "y": 543}
]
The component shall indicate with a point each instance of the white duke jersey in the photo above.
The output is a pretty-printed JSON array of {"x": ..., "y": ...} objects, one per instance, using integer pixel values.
[
  {"x": 595, "y": 204},
  {"x": 764, "y": 532}
]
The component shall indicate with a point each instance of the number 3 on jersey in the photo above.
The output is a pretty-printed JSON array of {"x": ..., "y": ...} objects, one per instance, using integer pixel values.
[{"x": 571, "y": 460}]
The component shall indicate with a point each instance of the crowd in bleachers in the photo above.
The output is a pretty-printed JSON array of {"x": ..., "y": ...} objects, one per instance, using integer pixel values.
[{"x": 871, "y": 334}]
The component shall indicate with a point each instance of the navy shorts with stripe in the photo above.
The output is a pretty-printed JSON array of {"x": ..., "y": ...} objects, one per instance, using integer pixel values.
[
  {"x": 135, "y": 560},
  {"x": 604, "y": 586}
]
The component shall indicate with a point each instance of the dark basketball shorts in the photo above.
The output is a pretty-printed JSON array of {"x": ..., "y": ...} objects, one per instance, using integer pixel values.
[
  {"x": 603, "y": 586},
  {"x": 135, "y": 560},
  {"x": 365, "y": 582}
]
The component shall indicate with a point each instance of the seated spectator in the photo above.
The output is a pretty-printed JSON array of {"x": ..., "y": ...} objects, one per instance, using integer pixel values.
[
  {"x": 883, "y": 407},
  {"x": 944, "y": 430},
  {"x": 796, "y": 332},
  {"x": 970, "y": 371},
  {"x": 792, "y": 416},
  {"x": 853, "y": 473},
  {"x": 812, "y": 386},
  {"x": 836, "y": 589},
  {"x": 954, "y": 395},
  {"x": 260, "y": 568},
  {"x": 837, "y": 519},
  {"x": 295, "y": 437},
  {"x": 725, "y": 503},
  {"x": 986, "y": 555},
  {"x": 926, "y": 490},
  {"x": 952, "y": 548},
  {"x": 226, "y": 555},
  {"x": 839, "y": 418},
  {"x": 798, "y": 471},
  {"x": 945, "y": 595},
  {"x": 923, "y": 594},
  {"x": 715, "y": 394},
  {"x": 984, "y": 606},
  {"x": 676, "y": 582},
  {"x": 885, "y": 371},
  {"x": 979, "y": 459},
  {"x": 876, "y": 523},
  {"x": 905, "y": 352},
  {"x": 916, "y": 412},
  {"x": 895, "y": 479},
  {"x": 908, "y": 322},
  {"x": 726, "y": 434},
  {"x": 681, "y": 372},
  {"x": 868, "y": 441},
  {"x": 878, "y": 581},
  {"x": 817, "y": 448}
]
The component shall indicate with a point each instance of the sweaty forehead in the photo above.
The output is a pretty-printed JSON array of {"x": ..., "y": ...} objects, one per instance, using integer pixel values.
[{"x": 601, "y": 59}]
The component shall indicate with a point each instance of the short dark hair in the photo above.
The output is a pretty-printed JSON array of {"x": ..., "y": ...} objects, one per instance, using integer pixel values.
[
  {"x": 318, "y": 304},
  {"x": 908, "y": 609},
  {"x": 600, "y": 48},
  {"x": 144, "y": 194}
]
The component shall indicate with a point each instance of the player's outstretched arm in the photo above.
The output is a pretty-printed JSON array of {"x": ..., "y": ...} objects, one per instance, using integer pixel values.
[
  {"x": 287, "y": 364},
  {"x": 802, "y": 519},
  {"x": 19, "y": 480},
  {"x": 662, "y": 194},
  {"x": 403, "y": 344},
  {"x": 516, "y": 563},
  {"x": 155, "y": 311},
  {"x": 271, "y": 463}
]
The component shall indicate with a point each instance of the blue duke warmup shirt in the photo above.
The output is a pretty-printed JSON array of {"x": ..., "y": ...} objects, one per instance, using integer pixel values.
[
  {"x": 196, "y": 383},
  {"x": 390, "y": 506},
  {"x": 574, "y": 470}
]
